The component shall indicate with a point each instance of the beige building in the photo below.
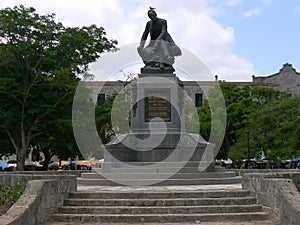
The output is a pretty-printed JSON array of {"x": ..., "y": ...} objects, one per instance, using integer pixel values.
[
  {"x": 194, "y": 89},
  {"x": 286, "y": 80}
]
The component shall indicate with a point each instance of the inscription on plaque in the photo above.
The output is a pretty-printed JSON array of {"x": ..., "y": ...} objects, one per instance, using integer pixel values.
[{"x": 157, "y": 106}]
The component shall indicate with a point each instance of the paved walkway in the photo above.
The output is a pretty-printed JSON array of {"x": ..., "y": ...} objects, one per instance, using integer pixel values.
[{"x": 159, "y": 188}]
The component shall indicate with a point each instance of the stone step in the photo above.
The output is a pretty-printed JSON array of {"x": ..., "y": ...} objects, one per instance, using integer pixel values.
[
  {"x": 157, "y": 169},
  {"x": 140, "y": 182},
  {"x": 157, "y": 175},
  {"x": 159, "y": 218},
  {"x": 159, "y": 209},
  {"x": 161, "y": 163},
  {"x": 156, "y": 164},
  {"x": 162, "y": 202},
  {"x": 135, "y": 205},
  {"x": 159, "y": 194}
]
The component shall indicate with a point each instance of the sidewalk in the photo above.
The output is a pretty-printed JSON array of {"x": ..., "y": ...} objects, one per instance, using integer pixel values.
[{"x": 160, "y": 188}]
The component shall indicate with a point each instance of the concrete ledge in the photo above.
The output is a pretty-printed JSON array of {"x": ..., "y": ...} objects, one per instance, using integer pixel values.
[
  {"x": 13, "y": 179},
  {"x": 48, "y": 172},
  {"x": 278, "y": 193},
  {"x": 241, "y": 172},
  {"x": 40, "y": 198}
]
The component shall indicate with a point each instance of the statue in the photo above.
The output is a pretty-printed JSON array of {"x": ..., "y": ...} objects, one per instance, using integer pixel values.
[{"x": 161, "y": 51}]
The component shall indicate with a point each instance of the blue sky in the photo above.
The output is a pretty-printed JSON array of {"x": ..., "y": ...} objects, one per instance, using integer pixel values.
[
  {"x": 268, "y": 36},
  {"x": 233, "y": 38}
]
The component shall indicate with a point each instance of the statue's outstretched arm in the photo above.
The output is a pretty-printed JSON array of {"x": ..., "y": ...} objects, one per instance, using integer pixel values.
[{"x": 144, "y": 36}]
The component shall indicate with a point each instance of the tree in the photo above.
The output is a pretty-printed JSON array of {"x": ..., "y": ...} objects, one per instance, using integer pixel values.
[
  {"x": 40, "y": 64},
  {"x": 103, "y": 119},
  {"x": 241, "y": 103},
  {"x": 6, "y": 147},
  {"x": 112, "y": 117},
  {"x": 60, "y": 141},
  {"x": 274, "y": 129}
]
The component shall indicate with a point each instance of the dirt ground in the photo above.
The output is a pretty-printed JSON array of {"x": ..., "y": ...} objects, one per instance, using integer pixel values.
[{"x": 3, "y": 209}]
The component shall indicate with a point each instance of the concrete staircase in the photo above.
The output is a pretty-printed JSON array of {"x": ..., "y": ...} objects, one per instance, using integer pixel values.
[
  {"x": 160, "y": 207},
  {"x": 161, "y": 174}
]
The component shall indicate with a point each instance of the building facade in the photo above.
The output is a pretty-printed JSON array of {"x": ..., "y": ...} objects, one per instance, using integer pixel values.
[
  {"x": 286, "y": 80},
  {"x": 196, "y": 90}
]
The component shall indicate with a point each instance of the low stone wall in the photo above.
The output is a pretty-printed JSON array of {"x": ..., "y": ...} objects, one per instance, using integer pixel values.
[
  {"x": 40, "y": 199},
  {"x": 13, "y": 179},
  {"x": 241, "y": 172},
  {"x": 278, "y": 194},
  {"x": 48, "y": 172}
]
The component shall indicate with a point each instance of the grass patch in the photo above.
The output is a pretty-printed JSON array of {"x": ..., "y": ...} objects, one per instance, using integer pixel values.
[{"x": 9, "y": 194}]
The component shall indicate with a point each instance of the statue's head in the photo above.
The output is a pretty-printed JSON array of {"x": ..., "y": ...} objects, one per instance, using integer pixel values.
[{"x": 152, "y": 14}]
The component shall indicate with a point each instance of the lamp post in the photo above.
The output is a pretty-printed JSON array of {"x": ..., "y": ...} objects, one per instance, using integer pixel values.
[{"x": 248, "y": 146}]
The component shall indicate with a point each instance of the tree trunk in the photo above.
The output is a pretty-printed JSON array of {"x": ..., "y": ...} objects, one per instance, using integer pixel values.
[
  {"x": 47, "y": 159},
  {"x": 21, "y": 158}
]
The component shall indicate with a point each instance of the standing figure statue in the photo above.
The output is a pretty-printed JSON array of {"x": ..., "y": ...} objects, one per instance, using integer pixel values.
[{"x": 160, "y": 52}]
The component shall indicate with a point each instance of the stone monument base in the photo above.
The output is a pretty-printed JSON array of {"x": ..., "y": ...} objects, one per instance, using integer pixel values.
[
  {"x": 158, "y": 150},
  {"x": 178, "y": 159},
  {"x": 181, "y": 148}
]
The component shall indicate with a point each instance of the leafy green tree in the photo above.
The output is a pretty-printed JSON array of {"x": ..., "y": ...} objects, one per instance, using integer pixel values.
[
  {"x": 274, "y": 129},
  {"x": 6, "y": 148},
  {"x": 240, "y": 103},
  {"x": 204, "y": 115},
  {"x": 103, "y": 119},
  {"x": 59, "y": 141},
  {"x": 112, "y": 107},
  {"x": 40, "y": 64}
]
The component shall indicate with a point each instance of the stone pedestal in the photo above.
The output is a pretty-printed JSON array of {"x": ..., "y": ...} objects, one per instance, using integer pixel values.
[
  {"x": 157, "y": 125},
  {"x": 157, "y": 104}
]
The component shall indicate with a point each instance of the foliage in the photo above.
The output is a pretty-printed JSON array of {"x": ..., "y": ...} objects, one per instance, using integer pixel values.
[
  {"x": 241, "y": 103},
  {"x": 6, "y": 148},
  {"x": 83, "y": 122},
  {"x": 274, "y": 129},
  {"x": 103, "y": 119},
  {"x": 114, "y": 108},
  {"x": 191, "y": 119},
  {"x": 9, "y": 194},
  {"x": 204, "y": 115},
  {"x": 40, "y": 65}
]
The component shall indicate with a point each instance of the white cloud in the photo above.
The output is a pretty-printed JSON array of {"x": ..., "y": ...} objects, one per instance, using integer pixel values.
[
  {"x": 234, "y": 2},
  {"x": 267, "y": 2},
  {"x": 297, "y": 9},
  {"x": 252, "y": 12},
  {"x": 190, "y": 23},
  {"x": 263, "y": 4}
]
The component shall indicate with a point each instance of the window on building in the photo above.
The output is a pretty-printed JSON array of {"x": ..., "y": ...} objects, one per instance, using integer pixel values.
[
  {"x": 100, "y": 99},
  {"x": 198, "y": 100}
]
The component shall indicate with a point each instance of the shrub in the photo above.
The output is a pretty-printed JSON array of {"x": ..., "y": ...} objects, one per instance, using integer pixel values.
[{"x": 9, "y": 194}]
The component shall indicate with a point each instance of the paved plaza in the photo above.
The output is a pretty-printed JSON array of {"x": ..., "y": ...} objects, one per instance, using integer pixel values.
[{"x": 160, "y": 188}]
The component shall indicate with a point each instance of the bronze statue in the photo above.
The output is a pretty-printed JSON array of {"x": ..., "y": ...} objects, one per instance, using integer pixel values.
[{"x": 161, "y": 51}]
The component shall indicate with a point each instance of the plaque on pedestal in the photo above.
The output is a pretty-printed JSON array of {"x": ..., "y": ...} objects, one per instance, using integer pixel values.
[{"x": 158, "y": 107}]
